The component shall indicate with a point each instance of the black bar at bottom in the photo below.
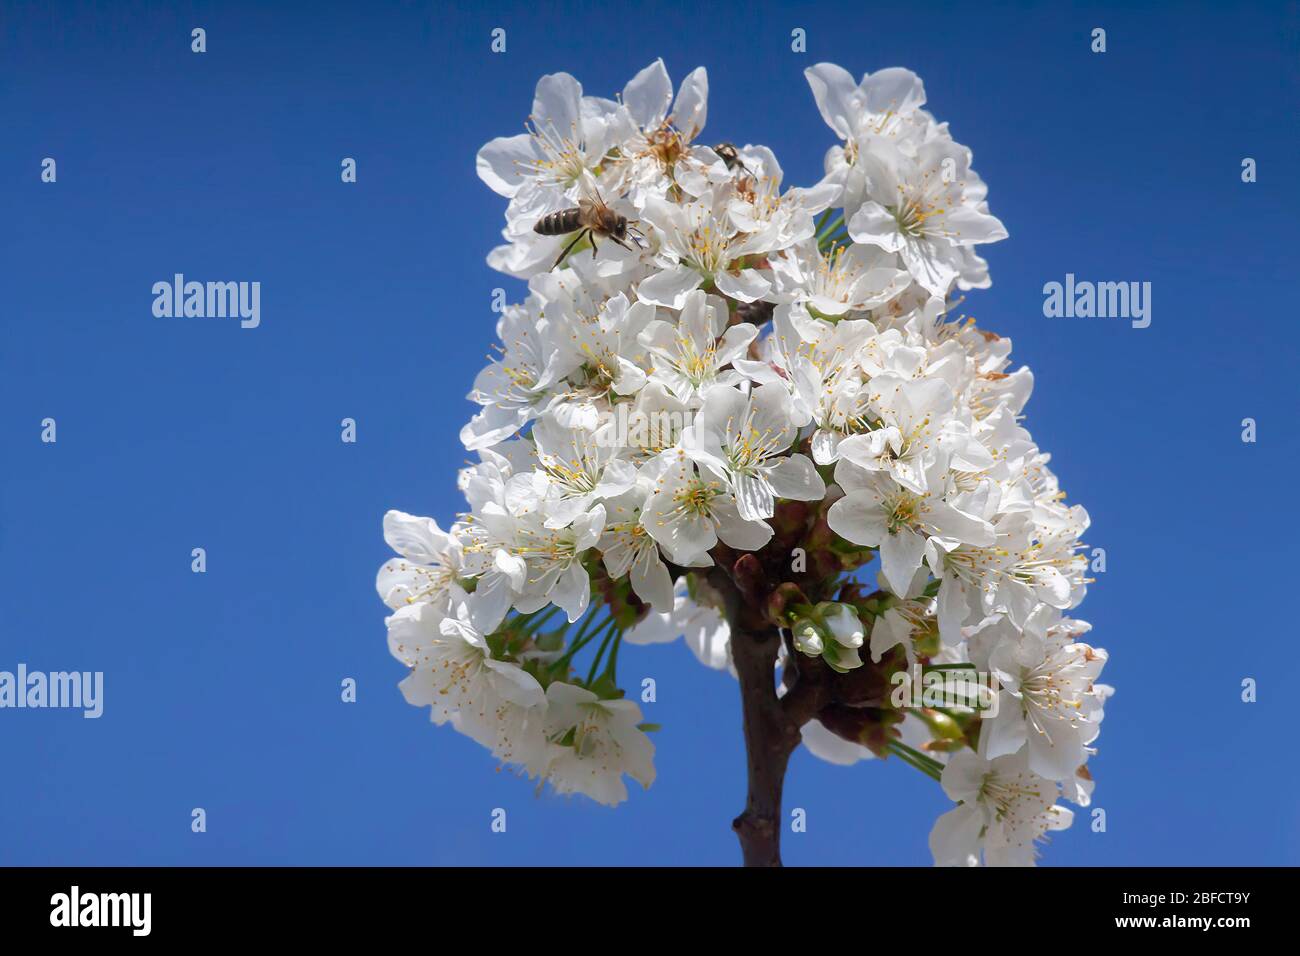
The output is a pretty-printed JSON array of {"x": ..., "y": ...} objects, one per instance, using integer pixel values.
[{"x": 303, "y": 905}]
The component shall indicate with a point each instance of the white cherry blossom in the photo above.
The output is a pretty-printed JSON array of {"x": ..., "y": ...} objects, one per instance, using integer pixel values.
[
  {"x": 877, "y": 512},
  {"x": 1003, "y": 810},
  {"x": 700, "y": 244},
  {"x": 494, "y": 702},
  {"x": 1045, "y": 680},
  {"x": 628, "y": 549},
  {"x": 430, "y": 566},
  {"x": 925, "y": 208},
  {"x": 744, "y": 439},
  {"x": 694, "y": 354},
  {"x": 689, "y": 512},
  {"x": 853, "y": 278},
  {"x": 656, "y": 148},
  {"x": 594, "y": 743}
]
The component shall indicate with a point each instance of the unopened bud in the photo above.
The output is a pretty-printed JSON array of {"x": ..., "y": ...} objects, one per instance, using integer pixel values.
[{"x": 807, "y": 639}]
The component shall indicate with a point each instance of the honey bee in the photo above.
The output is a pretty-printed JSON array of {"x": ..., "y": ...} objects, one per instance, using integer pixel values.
[
  {"x": 590, "y": 218},
  {"x": 730, "y": 156}
]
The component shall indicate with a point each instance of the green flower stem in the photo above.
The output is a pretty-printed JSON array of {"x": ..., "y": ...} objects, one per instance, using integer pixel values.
[
  {"x": 918, "y": 755},
  {"x": 538, "y": 618},
  {"x": 914, "y": 758},
  {"x": 921, "y": 767},
  {"x": 600, "y": 653},
  {"x": 611, "y": 670},
  {"x": 830, "y": 227},
  {"x": 827, "y": 243},
  {"x": 582, "y": 638}
]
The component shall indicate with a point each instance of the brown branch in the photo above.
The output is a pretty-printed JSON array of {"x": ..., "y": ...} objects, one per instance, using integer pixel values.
[
  {"x": 812, "y": 685},
  {"x": 771, "y": 724},
  {"x": 755, "y": 590},
  {"x": 770, "y": 738}
]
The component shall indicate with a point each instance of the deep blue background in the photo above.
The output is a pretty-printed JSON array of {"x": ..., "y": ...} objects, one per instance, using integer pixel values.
[{"x": 222, "y": 689}]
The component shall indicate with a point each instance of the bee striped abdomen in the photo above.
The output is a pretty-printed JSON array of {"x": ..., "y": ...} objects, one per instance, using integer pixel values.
[{"x": 559, "y": 223}]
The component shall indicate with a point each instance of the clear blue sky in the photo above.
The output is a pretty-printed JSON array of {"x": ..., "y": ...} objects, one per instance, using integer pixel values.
[{"x": 222, "y": 689}]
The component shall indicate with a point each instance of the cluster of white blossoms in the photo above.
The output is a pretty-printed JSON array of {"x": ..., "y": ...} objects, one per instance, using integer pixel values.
[{"x": 741, "y": 366}]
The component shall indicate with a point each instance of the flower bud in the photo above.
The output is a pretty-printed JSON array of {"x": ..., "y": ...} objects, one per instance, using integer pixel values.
[
  {"x": 831, "y": 631},
  {"x": 807, "y": 637},
  {"x": 843, "y": 622}
]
